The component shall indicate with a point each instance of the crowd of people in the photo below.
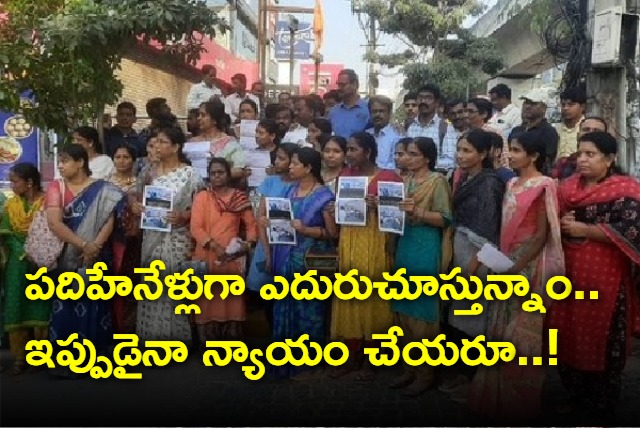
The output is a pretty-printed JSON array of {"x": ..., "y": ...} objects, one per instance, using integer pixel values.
[{"x": 475, "y": 171}]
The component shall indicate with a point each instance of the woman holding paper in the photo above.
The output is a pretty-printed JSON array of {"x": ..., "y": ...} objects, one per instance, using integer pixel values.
[
  {"x": 480, "y": 191},
  {"x": 368, "y": 250},
  {"x": 600, "y": 220},
  {"x": 81, "y": 212},
  {"x": 274, "y": 186},
  {"x": 424, "y": 249},
  {"x": 530, "y": 237},
  {"x": 217, "y": 216},
  {"x": 156, "y": 320},
  {"x": 214, "y": 124},
  {"x": 314, "y": 224}
]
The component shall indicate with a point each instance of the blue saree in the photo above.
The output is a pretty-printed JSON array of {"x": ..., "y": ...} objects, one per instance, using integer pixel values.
[
  {"x": 272, "y": 187},
  {"x": 292, "y": 318},
  {"x": 86, "y": 215}
]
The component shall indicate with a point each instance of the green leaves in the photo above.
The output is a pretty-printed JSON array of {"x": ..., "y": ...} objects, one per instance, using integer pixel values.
[
  {"x": 455, "y": 65},
  {"x": 70, "y": 63}
]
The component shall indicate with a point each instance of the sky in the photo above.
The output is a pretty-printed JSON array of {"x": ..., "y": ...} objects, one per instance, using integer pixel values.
[{"x": 345, "y": 40}]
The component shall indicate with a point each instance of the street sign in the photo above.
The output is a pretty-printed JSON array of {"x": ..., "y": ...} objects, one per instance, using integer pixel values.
[{"x": 303, "y": 39}]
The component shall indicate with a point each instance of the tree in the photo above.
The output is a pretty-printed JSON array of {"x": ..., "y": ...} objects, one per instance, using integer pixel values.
[
  {"x": 426, "y": 26},
  {"x": 66, "y": 52}
]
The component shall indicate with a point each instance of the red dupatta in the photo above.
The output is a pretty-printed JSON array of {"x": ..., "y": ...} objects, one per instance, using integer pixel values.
[
  {"x": 552, "y": 257},
  {"x": 613, "y": 205}
]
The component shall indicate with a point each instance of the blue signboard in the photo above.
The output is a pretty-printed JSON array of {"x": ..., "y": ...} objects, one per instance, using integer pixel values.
[
  {"x": 18, "y": 142},
  {"x": 303, "y": 39}
]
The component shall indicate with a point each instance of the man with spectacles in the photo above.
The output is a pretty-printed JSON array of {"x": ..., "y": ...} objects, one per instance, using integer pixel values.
[
  {"x": 381, "y": 109},
  {"x": 429, "y": 124},
  {"x": 566, "y": 167},
  {"x": 352, "y": 114}
]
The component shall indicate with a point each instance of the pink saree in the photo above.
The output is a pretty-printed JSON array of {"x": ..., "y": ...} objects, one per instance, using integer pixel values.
[{"x": 509, "y": 391}]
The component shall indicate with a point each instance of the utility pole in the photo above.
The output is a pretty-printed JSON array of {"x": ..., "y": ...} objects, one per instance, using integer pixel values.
[
  {"x": 264, "y": 8},
  {"x": 372, "y": 49},
  {"x": 369, "y": 28},
  {"x": 611, "y": 79}
]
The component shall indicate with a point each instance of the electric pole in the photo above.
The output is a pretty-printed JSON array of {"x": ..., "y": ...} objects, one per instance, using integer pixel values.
[{"x": 612, "y": 84}]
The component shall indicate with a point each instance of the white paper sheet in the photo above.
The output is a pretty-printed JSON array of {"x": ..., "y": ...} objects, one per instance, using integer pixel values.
[
  {"x": 495, "y": 260},
  {"x": 199, "y": 154},
  {"x": 248, "y": 134},
  {"x": 258, "y": 161}
]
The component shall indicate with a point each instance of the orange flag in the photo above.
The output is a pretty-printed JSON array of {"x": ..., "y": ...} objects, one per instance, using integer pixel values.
[{"x": 318, "y": 25}]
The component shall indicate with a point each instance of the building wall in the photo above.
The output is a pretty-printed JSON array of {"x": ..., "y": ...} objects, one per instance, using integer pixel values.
[{"x": 148, "y": 75}]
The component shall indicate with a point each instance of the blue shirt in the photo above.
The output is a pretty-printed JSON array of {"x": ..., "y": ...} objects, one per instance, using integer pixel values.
[
  {"x": 386, "y": 141},
  {"x": 346, "y": 121}
]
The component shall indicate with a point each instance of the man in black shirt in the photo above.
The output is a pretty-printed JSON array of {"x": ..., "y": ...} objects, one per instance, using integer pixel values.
[
  {"x": 534, "y": 110},
  {"x": 123, "y": 131}
]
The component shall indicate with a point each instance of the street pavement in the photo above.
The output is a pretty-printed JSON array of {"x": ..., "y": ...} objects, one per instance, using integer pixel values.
[{"x": 192, "y": 394}]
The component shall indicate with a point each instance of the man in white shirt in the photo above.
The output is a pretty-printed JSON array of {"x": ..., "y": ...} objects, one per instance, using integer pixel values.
[
  {"x": 304, "y": 112},
  {"x": 380, "y": 109},
  {"x": 233, "y": 101},
  {"x": 205, "y": 90},
  {"x": 507, "y": 115},
  {"x": 428, "y": 124}
]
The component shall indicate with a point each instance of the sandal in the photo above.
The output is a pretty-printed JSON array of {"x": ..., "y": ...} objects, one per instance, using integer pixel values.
[
  {"x": 34, "y": 369},
  {"x": 417, "y": 388},
  {"x": 365, "y": 375},
  {"x": 451, "y": 385},
  {"x": 16, "y": 369},
  {"x": 308, "y": 375},
  {"x": 402, "y": 381},
  {"x": 460, "y": 395},
  {"x": 339, "y": 372}
]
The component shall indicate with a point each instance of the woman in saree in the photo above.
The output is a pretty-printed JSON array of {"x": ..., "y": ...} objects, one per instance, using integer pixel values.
[
  {"x": 273, "y": 186},
  {"x": 530, "y": 236},
  {"x": 22, "y": 317},
  {"x": 314, "y": 224},
  {"x": 480, "y": 191},
  {"x": 424, "y": 249},
  {"x": 127, "y": 240},
  {"x": 100, "y": 165},
  {"x": 334, "y": 155},
  {"x": 368, "y": 250},
  {"x": 81, "y": 213},
  {"x": 218, "y": 213},
  {"x": 600, "y": 221},
  {"x": 214, "y": 124},
  {"x": 156, "y": 320}
]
